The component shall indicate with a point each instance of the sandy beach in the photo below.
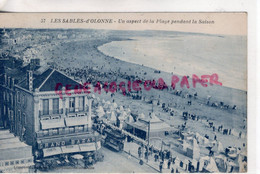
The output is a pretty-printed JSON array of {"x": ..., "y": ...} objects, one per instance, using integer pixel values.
[{"x": 77, "y": 54}]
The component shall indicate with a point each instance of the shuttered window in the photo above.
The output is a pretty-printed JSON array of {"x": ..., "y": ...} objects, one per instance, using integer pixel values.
[
  {"x": 55, "y": 106},
  {"x": 45, "y": 105}
]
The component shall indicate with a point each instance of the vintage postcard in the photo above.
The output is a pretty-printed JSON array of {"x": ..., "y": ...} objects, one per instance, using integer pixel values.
[{"x": 123, "y": 92}]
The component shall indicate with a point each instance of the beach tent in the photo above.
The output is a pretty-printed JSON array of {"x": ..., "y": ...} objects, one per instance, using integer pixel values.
[
  {"x": 142, "y": 125},
  {"x": 105, "y": 106},
  {"x": 212, "y": 166},
  {"x": 220, "y": 147},
  {"x": 113, "y": 117},
  {"x": 199, "y": 138},
  {"x": 221, "y": 162},
  {"x": 208, "y": 163},
  {"x": 130, "y": 119},
  {"x": 196, "y": 149},
  {"x": 108, "y": 114},
  {"x": 114, "y": 105},
  {"x": 128, "y": 110},
  {"x": 100, "y": 111},
  {"x": 121, "y": 108},
  {"x": 141, "y": 116}
]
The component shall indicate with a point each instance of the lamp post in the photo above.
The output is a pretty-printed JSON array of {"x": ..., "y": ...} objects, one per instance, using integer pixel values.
[{"x": 148, "y": 137}]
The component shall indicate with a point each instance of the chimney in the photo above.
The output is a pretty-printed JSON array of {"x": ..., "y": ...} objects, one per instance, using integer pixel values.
[
  {"x": 34, "y": 63},
  {"x": 29, "y": 79}
]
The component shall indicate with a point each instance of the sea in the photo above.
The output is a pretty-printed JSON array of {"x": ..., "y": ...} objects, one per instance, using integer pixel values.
[{"x": 187, "y": 54}]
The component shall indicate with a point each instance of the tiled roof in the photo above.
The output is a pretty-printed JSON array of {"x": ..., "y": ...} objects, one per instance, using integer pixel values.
[
  {"x": 48, "y": 79},
  {"x": 57, "y": 77}
]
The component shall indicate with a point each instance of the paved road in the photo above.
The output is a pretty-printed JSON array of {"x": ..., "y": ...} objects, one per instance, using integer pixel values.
[{"x": 114, "y": 162}]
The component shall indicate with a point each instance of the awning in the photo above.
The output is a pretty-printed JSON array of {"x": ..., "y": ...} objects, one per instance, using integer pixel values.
[
  {"x": 70, "y": 149},
  {"x": 87, "y": 147},
  {"x": 6, "y": 136},
  {"x": 53, "y": 123},
  {"x": 75, "y": 121},
  {"x": 52, "y": 151}
]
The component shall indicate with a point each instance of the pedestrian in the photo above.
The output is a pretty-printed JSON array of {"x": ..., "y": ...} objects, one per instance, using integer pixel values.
[
  {"x": 146, "y": 155},
  {"x": 189, "y": 166},
  {"x": 215, "y": 138},
  {"x": 169, "y": 163},
  {"x": 172, "y": 171},
  {"x": 85, "y": 164},
  {"x": 160, "y": 167},
  {"x": 229, "y": 132},
  {"x": 35, "y": 169},
  {"x": 139, "y": 152},
  {"x": 240, "y": 134},
  {"x": 152, "y": 149}
]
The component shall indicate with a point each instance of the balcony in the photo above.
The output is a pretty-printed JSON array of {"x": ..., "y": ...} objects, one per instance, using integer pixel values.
[
  {"x": 51, "y": 112},
  {"x": 64, "y": 131},
  {"x": 60, "y": 111}
]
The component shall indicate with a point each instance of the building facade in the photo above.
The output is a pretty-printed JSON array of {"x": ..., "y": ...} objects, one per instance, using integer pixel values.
[
  {"x": 52, "y": 120},
  {"x": 50, "y": 123}
]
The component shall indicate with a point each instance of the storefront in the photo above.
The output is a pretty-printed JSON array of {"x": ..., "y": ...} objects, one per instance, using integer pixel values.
[
  {"x": 68, "y": 145},
  {"x": 15, "y": 156}
]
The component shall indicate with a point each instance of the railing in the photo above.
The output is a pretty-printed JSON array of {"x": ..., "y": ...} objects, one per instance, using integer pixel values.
[
  {"x": 63, "y": 131},
  {"x": 51, "y": 112},
  {"x": 60, "y": 111}
]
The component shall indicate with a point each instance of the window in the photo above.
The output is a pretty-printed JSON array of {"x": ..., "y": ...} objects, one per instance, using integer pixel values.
[
  {"x": 45, "y": 107},
  {"x": 55, "y": 106},
  {"x": 4, "y": 95},
  {"x": 18, "y": 97},
  {"x": 81, "y": 103},
  {"x": 19, "y": 115},
  {"x": 7, "y": 97},
  {"x": 11, "y": 98},
  {"x": 24, "y": 119},
  {"x": 72, "y": 104},
  {"x": 23, "y": 99}
]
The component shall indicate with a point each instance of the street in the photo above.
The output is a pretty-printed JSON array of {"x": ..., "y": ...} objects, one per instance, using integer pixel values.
[{"x": 114, "y": 162}]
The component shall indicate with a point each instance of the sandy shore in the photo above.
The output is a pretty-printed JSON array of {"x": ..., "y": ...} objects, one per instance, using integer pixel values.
[{"x": 79, "y": 54}]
